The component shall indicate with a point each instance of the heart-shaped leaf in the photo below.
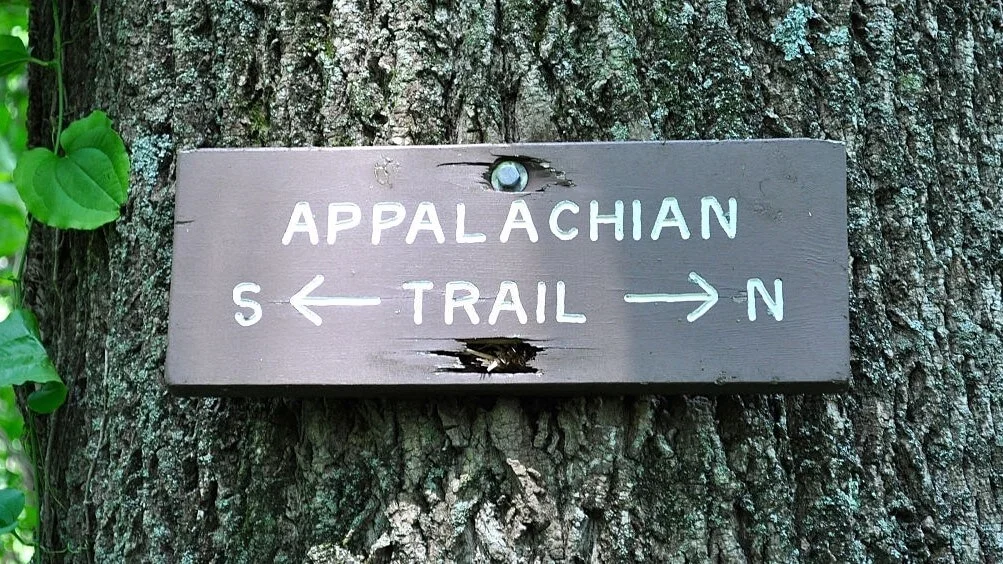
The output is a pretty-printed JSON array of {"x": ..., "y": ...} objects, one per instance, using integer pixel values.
[
  {"x": 24, "y": 357},
  {"x": 11, "y": 505},
  {"x": 13, "y": 54},
  {"x": 85, "y": 188}
]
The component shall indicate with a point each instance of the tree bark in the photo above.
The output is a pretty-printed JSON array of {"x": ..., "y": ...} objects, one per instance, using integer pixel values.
[{"x": 902, "y": 467}]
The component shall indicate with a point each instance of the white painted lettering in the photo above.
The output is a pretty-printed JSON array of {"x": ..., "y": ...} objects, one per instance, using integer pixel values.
[
  {"x": 240, "y": 300},
  {"x": 555, "y": 214},
  {"x": 519, "y": 218},
  {"x": 774, "y": 304},
  {"x": 728, "y": 222},
  {"x": 334, "y": 225},
  {"x": 541, "y": 302},
  {"x": 616, "y": 219},
  {"x": 466, "y": 302},
  {"x": 301, "y": 221},
  {"x": 425, "y": 219},
  {"x": 381, "y": 223},
  {"x": 670, "y": 205},
  {"x": 419, "y": 287},
  {"x": 635, "y": 217},
  {"x": 562, "y": 315},
  {"x": 505, "y": 303},
  {"x": 461, "y": 235}
]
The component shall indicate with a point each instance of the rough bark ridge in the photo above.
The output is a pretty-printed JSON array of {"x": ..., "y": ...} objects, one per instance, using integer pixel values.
[{"x": 904, "y": 466}]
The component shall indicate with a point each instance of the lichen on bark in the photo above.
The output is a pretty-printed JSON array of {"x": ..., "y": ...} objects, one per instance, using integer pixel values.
[{"x": 900, "y": 467}]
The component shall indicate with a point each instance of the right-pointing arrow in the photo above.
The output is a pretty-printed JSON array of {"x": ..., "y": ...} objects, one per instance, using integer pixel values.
[{"x": 708, "y": 297}]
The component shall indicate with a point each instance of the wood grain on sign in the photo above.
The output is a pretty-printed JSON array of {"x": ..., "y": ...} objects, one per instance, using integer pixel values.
[{"x": 622, "y": 267}]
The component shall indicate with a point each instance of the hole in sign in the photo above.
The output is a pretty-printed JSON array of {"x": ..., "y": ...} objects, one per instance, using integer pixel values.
[
  {"x": 527, "y": 174},
  {"x": 509, "y": 176},
  {"x": 504, "y": 355},
  {"x": 534, "y": 174}
]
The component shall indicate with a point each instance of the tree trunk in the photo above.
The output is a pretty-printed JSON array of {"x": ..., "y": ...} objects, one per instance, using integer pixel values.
[{"x": 903, "y": 466}]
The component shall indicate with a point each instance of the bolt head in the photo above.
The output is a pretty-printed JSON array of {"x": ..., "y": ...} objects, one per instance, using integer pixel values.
[{"x": 509, "y": 176}]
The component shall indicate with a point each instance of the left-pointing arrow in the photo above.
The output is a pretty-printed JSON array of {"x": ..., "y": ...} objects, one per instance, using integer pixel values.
[
  {"x": 708, "y": 297},
  {"x": 302, "y": 300}
]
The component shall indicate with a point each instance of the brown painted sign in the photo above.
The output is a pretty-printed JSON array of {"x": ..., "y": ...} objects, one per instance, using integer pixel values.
[{"x": 617, "y": 267}]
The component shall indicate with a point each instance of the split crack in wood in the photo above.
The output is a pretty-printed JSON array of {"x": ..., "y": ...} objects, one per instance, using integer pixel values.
[{"x": 505, "y": 355}]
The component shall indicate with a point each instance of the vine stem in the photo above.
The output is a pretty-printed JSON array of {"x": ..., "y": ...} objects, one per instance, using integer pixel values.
[
  {"x": 57, "y": 63},
  {"x": 42, "y": 548},
  {"x": 20, "y": 264},
  {"x": 42, "y": 471}
]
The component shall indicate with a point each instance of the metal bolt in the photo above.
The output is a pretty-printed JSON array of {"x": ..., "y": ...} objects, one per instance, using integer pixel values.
[{"x": 509, "y": 176}]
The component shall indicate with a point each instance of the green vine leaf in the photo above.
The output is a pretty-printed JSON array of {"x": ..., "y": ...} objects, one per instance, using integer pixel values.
[
  {"x": 13, "y": 222},
  {"x": 85, "y": 188},
  {"x": 11, "y": 505},
  {"x": 47, "y": 398},
  {"x": 13, "y": 54},
  {"x": 25, "y": 360},
  {"x": 11, "y": 422}
]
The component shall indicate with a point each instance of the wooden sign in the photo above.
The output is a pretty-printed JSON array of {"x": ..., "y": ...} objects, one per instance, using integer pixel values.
[{"x": 575, "y": 267}]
